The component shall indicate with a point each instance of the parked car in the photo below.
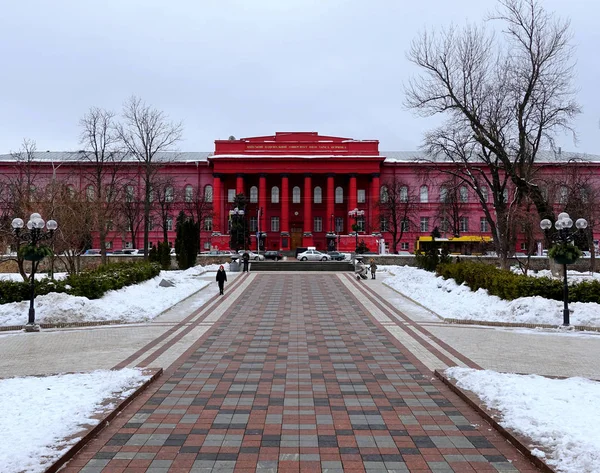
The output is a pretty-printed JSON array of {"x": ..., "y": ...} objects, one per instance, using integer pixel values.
[
  {"x": 117, "y": 252},
  {"x": 300, "y": 249},
  {"x": 336, "y": 255},
  {"x": 276, "y": 255},
  {"x": 253, "y": 256},
  {"x": 313, "y": 255},
  {"x": 133, "y": 252},
  {"x": 92, "y": 252}
]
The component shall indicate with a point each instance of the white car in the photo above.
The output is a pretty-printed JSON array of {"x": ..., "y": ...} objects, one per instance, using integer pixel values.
[
  {"x": 253, "y": 256},
  {"x": 313, "y": 255}
]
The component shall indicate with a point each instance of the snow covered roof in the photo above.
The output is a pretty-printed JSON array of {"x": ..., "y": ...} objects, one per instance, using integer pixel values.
[
  {"x": 202, "y": 156},
  {"x": 545, "y": 156},
  {"x": 72, "y": 156}
]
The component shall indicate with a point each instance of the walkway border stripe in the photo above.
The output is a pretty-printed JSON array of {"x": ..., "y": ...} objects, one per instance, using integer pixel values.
[
  {"x": 215, "y": 301},
  {"x": 473, "y": 401},
  {"x": 105, "y": 420},
  {"x": 387, "y": 308}
]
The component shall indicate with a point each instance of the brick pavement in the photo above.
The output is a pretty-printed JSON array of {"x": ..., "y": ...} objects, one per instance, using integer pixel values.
[{"x": 295, "y": 374}]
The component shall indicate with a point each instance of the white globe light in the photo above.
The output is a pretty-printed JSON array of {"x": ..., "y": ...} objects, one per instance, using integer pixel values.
[
  {"x": 35, "y": 215},
  {"x": 39, "y": 223},
  {"x": 17, "y": 223},
  {"x": 567, "y": 222},
  {"x": 581, "y": 223},
  {"x": 558, "y": 224},
  {"x": 30, "y": 224},
  {"x": 562, "y": 215},
  {"x": 545, "y": 224},
  {"x": 51, "y": 225}
]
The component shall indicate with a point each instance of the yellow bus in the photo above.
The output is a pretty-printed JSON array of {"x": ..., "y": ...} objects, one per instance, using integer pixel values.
[{"x": 463, "y": 245}]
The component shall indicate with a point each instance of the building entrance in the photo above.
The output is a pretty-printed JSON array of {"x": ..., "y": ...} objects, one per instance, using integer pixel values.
[{"x": 295, "y": 237}]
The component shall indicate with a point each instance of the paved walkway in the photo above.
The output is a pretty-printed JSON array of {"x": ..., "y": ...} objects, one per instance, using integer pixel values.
[{"x": 298, "y": 372}]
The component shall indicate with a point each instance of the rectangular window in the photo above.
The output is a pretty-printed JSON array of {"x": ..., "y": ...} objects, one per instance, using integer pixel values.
[
  {"x": 230, "y": 195},
  {"x": 444, "y": 225},
  {"x": 109, "y": 225},
  {"x": 170, "y": 224},
  {"x": 274, "y": 224},
  {"x": 108, "y": 245},
  {"x": 483, "y": 224},
  {"x": 208, "y": 224},
  {"x": 424, "y": 224},
  {"x": 127, "y": 245},
  {"x": 253, "y": 224},
  {"x": 464, "y": 224},
  {"x": 151, "y": 224},
  {"x": 405, "y": 225},
  {"x": 318, "y": 224},
  {"x": 383, "y": 224},
  {"x": 404, "y": 245},
  {"x": 129, "y": 194},
  {"x": 361, "y": 196},
  {"x": 360, "y": 223},
  {"x": 339, "y": 224}
]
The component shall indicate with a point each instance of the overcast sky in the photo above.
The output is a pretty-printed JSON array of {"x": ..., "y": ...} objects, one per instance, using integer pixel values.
[{"x": 241, "y": 67}]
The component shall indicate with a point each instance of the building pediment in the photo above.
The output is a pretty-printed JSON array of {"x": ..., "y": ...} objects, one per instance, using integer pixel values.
[{"x": 297, "y": 144}]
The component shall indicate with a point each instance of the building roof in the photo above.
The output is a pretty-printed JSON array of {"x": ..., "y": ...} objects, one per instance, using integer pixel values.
[{"x": 202, "y": 156}]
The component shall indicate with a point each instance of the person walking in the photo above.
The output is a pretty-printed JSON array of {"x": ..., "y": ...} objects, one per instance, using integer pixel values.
[
  {"x": 221, "y": 278},
  {"x": 246, "y": 261},
  {"x": 373, "y": 268}
]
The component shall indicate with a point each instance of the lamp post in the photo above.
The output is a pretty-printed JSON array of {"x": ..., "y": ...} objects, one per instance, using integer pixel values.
[
  {"x": 33, "y": 252},
  {"x": 237, "y": 213},
  {"x": 563, "y": 237},
  {"x": 355, "y": 214}
]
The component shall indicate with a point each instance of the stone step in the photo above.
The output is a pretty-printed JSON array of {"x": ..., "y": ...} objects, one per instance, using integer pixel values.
[{"x": 333, "y": 266}]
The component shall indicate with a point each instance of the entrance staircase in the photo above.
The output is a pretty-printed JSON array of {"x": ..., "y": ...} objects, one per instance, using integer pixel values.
[{"x": 332, "y": 266}]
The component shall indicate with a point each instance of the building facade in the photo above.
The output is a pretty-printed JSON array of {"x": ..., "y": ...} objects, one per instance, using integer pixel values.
[{"x": 303, "y": 189}]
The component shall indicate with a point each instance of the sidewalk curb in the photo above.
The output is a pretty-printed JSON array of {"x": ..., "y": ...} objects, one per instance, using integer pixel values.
[
  {"x": 108, "y": 416},
  {"x": 516, "y": 440}
]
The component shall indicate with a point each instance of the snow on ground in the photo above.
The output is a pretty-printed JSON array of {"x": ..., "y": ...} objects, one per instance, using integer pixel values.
[
  {"x": 450, "y": 300},
  {"x": 560, "y": 416},
  {"x": 137, "y": 303},
  {"x": 39, "y": 414}
]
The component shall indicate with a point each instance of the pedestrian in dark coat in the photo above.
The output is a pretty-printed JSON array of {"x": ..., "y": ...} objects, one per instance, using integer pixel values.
[
  {"x": 221, "y": 278},
  {"x": 246, "y": 260},
  {"x": 373, "y": 268}
]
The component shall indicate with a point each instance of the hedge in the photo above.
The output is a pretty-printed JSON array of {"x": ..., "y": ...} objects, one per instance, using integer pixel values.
[
  {"x": 92, "y": 284},
  {"x": 509, "y": 286}
]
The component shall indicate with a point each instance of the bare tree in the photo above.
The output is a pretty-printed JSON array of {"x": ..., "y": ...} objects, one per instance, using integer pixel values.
[
  {"x": 145, "y": 133},
  {"x": 199, "y": 207},
  {"x": 101, "y": 168},
  {"x": 131, "y": 212},
  {"x": 505, "y": 98},
  {"x": 165, "y": 198},
  {"x": 398, "y": 206},
  {"x": 452, "y": 206}
]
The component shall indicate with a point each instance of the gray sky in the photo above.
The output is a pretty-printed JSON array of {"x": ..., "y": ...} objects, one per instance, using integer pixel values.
[{"x": 241, "y": 67}]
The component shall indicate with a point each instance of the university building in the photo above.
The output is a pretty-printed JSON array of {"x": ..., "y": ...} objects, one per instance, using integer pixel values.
[{"x": 303, "y": 189}]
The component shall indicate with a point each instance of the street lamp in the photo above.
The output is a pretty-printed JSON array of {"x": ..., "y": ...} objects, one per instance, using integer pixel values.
[
  {"x": 33, "y": 252},
  {"x": 355, "y": 214},
  {"x": 237, "y": 213},
  {"x": 562, "y": 239}
]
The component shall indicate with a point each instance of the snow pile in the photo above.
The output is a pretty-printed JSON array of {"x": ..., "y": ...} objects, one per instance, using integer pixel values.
[
  {"x": 560, "y": 416},
  {"x": 137, "y": 303},
  {"x": 450, "y": 300},
  {"x": 39, "y": 414}
]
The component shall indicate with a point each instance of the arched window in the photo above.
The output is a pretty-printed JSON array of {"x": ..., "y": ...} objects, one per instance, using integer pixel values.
[
  {"x": 424, "y": 194},
  {"x": 90, "y": 192},
  {"x": 189, "y": 193},
  {"x": 563, "y": 194},
  {"x": 404, "y": 194},
  {"x": 463, "y": 194},
  {"x": 484, "y": 193},
  {"x": 253, "y": 195},
  {"x": 129, "y": 193},
  {"x": 71, "y": 191},
  {"x": 169, "y": 194},
  {"x": 383, "y": 195},
  {"x": 274, "y": 195},
  {"x": 339, "y": 195},
  {"x": 443, "y": 195},
  {"x": 208, "y": 193},
  {"x": 296, "y": 195},
  {"x": 318, "y": 196}
]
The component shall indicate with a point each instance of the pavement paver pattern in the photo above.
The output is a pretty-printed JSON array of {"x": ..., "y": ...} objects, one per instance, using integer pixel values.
[{"x": 297, "y": 375}]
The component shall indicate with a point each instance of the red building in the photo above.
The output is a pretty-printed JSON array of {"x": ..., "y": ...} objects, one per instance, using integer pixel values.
[{"x": 301, "y": 187}]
